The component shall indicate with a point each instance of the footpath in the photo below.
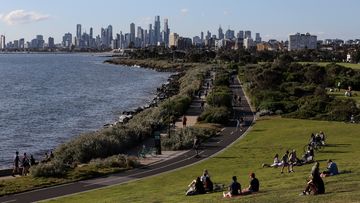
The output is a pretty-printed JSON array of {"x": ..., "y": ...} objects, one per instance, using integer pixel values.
[{"x": 169, "y": 161}]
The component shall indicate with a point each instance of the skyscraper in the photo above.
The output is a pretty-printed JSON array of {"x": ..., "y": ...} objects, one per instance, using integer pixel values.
[
  {"x": 2, "y": 42},
  {"x": 67, "y": 40},
  {"x": 166, "y": 31},
  {"x": 151, "y": 35},
  {"x": 240, "y": 34},
  {"x": 91, "y": 33},
  {"x": 132, "y": 32},
  {"x": 109, "y": 35},
  {"x": 157, "y": 35},
  {"x": 51, "y": 43},
  {"x": 257, "y": 38},
  {"x": 247, "y": 34},
  {"x": 78, "y": 31},
  {"x": 302, "y": 41},
  {"x": 220, "y": 33}
]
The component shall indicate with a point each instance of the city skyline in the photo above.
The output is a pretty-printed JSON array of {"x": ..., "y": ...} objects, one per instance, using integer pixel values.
[{"x": 24, "y": 19}]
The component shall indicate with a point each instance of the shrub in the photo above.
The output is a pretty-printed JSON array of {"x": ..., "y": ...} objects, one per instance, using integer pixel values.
[
  {"x": 220, "y": 96},
  {"x": 50, "y": 169},
  {"x": 184, "y": 138},
  {"x": 215, "y": 115},
  {"x": 116, "y": 161}
]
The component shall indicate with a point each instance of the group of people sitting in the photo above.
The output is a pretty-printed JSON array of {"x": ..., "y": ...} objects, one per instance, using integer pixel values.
[
  {"x": 203, "y": 184},
  {"x": 235, "y": 187}
]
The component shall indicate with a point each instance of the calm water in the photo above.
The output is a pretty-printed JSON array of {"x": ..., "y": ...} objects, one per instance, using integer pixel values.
[{"x": 45, "y": 99}]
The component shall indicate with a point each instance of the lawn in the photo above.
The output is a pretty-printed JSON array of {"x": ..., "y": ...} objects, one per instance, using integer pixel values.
[
  {"x": 269, "y": 136},
  {"x": 348, "y": 65}
]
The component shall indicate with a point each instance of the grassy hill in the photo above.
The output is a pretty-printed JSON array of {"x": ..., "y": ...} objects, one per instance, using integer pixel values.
[{"x": 269, "y": 136}]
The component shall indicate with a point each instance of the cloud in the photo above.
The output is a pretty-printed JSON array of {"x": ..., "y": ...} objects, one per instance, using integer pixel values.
[
  {"x": 22, "y": 17},
  {"x": 184, "y": 11}
]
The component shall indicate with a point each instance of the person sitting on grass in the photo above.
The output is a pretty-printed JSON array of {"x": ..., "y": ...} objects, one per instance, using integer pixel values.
[
  {"x": 205, "y": 175},
  {"x": 253, "y": 187},
  {"x": 322, "y": 137},
  {"x": 234, "y": 188},
  {"x": 332, "y": 169},
  {"x": 196, "y": 187},
  {"x": 276, "y": 163},
  {"x": 209, "y": 185},
  {"x": 308, "y": 157},
  {"x": 285, "y": 163},
  {"x": 315, "y": 184}
]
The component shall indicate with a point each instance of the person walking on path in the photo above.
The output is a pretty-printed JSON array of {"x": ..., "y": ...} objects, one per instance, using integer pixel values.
[
  {"x": 196, "y": 145},
  {"x": 16, "y": 164},
  {"x": 202, "y": 104},
  {"x": 25, "y": 165},
  {"x": 184, "y": 120}
]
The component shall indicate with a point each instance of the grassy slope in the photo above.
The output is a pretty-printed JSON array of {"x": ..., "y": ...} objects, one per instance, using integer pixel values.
[
  {"x": 341, "y": 95},
  {"x": 267, "y": 138},
  {"x": 349, "y": 65}
]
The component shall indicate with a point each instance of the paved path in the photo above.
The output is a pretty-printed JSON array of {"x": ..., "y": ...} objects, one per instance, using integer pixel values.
[{"x": 214, "y": 146}]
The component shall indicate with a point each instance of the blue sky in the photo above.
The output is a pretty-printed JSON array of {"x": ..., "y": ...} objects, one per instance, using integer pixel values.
[{"x": 272, "y": 18}]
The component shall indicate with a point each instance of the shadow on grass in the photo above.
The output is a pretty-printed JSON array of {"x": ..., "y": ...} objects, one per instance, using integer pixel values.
[
  {"x": 226, "y": 157},
  {"x": 337, "y": 145},
  {"x": 333, "y": 151}
]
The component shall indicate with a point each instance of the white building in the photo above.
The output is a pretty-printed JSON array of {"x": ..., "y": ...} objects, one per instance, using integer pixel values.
[
  {"x": 302, "y": 41},
  {"x": 248, "y": 43}
]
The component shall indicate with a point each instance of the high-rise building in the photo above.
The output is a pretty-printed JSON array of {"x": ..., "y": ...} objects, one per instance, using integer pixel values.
[
  {"x": 132, "y": 32},
  {"x": 51, "y": 43},
  {"x": 67, "y": 40},
  {"x": 166, "y": 34},
  {"x": 151, "y": 35},
  {"x": 91, "y": 33},
  {"x": 248, "y": 43},
  {"x": 157, "y": 35},
  {"x": 78, "y": 31},
  {"x": 240, "y": 34},
  {"x": 173, "y": 39},
  {"x": 2, "y": 42},
  {"x": 302, "y": 41},
  {"x": 22, "y": 43},
  {"x": 109, "y": 36},
  {"x": 208, "y": 35},
  {"x": 257, "y": 38},
  {"x": 230, "y": 34},
  {"x": 247, "y": 34},
  {"x": 202, "y": 36},
  {"x": 220, "y": 33}
]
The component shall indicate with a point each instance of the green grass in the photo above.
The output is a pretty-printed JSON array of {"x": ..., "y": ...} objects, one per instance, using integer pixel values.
[
  {"x": 269, "y": 136},
  {"x": 348, "y": 65}
]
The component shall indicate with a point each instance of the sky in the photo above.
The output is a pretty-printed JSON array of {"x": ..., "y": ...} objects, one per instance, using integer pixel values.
[{"x": 273, "y": 19}]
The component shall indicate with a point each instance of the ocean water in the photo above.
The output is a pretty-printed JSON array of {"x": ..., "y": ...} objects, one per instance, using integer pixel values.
[{"x": 46, "y": 99}]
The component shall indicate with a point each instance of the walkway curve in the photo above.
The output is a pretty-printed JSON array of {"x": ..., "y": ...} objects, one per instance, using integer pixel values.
[{"x": 228, "y": 136}]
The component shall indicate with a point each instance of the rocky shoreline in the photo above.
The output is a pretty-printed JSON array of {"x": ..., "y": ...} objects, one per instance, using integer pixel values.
[
  {"x": 161, "y": 66},
  {"x": 168, "y": 89}
]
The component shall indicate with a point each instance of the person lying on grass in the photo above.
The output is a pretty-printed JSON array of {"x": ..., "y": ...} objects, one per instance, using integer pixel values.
[
  {"x": 253, "y": 187},
  {"x": 196, "y": 187},
  {"x": 276, "y": 163},
  {"x": 234, "y": 188},
  {"x": 315, "y": 185},
  {"x": 332, "y": 169}
]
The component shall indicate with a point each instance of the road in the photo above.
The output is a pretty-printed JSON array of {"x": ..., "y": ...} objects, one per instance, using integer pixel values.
[{"x": 228, "y": 136}]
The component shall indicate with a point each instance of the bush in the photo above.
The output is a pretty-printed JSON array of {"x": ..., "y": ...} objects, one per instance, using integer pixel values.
[
  {"x": 116, "y": 161},
  {"x": 219, "y": 115},
  {"x": 50, "y": 169},
  {"x": 220, "y": 96},
  {"x": 184, "y": 138}
]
